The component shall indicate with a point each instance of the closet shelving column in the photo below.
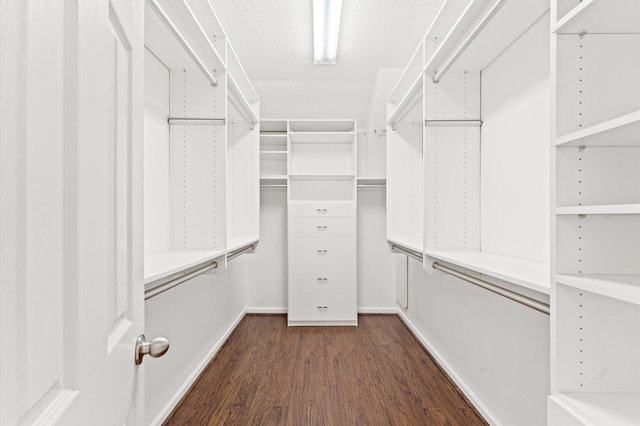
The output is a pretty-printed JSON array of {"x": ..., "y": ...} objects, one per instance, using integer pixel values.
[
  {"x": 192, "y": 76},
  {"x": 322, "y": 228},
  {"x": 273, "y": 153},
  {"x": 464, "y": 41},
  {"x": 596, "y": 267},
  {"x": 243, "y": 159}
]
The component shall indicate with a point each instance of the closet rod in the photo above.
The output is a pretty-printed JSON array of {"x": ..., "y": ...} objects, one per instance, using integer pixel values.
[
  {"x": 474, "y": 33},
  {"x": 183, "y": 42},
  {"x": 203, "y": 121},
  {"x": 179, "y": 280},
  {"x": 452, "y": 123},
  {"x": 238, "y": 252},
  {"x": 511, "y": 295},
  {"x": 410, "y": 253}
]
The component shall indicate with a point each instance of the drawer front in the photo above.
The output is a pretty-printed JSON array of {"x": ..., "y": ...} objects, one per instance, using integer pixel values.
[
  {"x": 322, "y": 227},
  {"x": 340, "y": 278},
  {"x": 322, "y": 209},
  {"x": 323, "y": 307},
  {"x": 322, "y": 252}
]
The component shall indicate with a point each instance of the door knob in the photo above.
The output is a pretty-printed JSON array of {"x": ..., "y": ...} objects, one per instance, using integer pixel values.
[{"x": 155, "y": 348}]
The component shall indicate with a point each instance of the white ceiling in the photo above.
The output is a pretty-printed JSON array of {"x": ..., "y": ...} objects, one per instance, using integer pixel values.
[{"x": 274, "y": 40}]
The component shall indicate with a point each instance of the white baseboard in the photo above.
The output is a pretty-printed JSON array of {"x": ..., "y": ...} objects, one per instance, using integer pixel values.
[
  {"x": 266, "y": 310},
  {"x": 373, "y": 310},
  {"x": 182, "y": 390},
  {"x": 471, "y": 396}
]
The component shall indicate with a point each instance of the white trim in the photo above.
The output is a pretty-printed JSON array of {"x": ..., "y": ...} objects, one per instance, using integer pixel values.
[
  {"x": 462, "y": 385},
  {"x": 378, "y": 310},
  {"x": 182, "y": 390},
  {"x": 271, "y": 311},
  {"x": 57, "y": 408}
]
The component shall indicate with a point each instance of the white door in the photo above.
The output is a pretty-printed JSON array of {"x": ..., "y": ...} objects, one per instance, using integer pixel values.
[{"x": 71, "y": 294}]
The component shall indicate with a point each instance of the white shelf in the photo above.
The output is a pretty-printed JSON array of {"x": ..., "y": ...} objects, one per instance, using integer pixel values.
[
  {"x": 620, "y": 131},
  {"x": 621, "y": 287},
  {"x": 239, "y": 100},
  {"x": 374, "y": 181},
  {"x": 414, "y": 244},
  {"x": 321, "y": 177},
  {"x": 603, "y": 209},
  {"x": 164, "y": 264},
  {"x": 274, "y": 155},
  {"x": 322, "y": 137},
  {"x": 296, "y": 126},
  {"x": 601, "y": 408},
  {"x": 413, "y": 95},
  {"x": 410, "y": 74},
  {"x": 236, "y": 243},
  {"x": 525, "y": 273},
  {"x": 468, "y": 53},
  {"x": 191, "y": 49},
  {"x": 601, "y": 16},
  {"x": 269, "y": 136}
]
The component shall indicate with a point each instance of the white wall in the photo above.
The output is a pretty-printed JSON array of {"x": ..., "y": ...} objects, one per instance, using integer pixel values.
[
  {"x": 497, "y": 350},
  {"x": 313, "y": 99},
  {"x": 196, "y": 317}
]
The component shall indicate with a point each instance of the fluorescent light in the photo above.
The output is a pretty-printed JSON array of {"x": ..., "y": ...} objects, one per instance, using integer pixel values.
[{"x": 326, "y": 28}]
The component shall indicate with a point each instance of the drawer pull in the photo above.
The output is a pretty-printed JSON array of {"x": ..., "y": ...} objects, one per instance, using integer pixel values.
[
  {"x": 322, "y": 308},
  {"x": 321, "y": 251},
  {"x": 321, "y": 227},
  {"x": 321, "y": 211},
  {"x": 322, "y": 280}
]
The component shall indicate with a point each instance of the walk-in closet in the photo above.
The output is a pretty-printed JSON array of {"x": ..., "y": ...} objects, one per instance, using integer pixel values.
[{"x": 320, "y": 212}]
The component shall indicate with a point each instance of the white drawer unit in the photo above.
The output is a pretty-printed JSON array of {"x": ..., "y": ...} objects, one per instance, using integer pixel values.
[
  {"x": 322, "y": 308},
  {"x": 322, "y": 209},
  {"x": 322, "y": 223},
  {"x": 322, "y": 227},
  {"x": 339, "y": 278}
]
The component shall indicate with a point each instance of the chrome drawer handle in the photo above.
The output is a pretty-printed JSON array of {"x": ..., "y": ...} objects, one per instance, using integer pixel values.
[
  {"x": 321, "y": 227},
  {"x": 322, "y": 280},
  {"x": 321, "y": 251},
  {"x": 321, "y": 211},
  {"x": 322, "y": 308}
]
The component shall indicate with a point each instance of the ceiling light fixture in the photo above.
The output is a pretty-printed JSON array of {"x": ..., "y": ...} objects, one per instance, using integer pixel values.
[{"x": 326, "y": 28}]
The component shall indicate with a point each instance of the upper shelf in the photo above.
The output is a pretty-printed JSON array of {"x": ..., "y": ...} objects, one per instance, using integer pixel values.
[
  {"x": 321, "y": 126},
  {"x": 601, "y": 16},
  {"x": 483, "y": 31},
  {"x": 321, "y": 137},
  {"x": 238, "y": 99},
  {"x": 411, "y": 98},
  {"x": 175, "y": 36},
  {"x": 408, "y": 77},
  {"x": 164, "y": 265},
  {"x": 602, "y": 209},
  {"x": 621, "y": 287},
  {"x": 620, "y": 131},
  {"x": 525, "y": 273}
]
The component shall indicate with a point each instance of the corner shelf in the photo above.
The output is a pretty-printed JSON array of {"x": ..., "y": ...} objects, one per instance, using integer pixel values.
[
  {"x": 620, "y": 131},
  {"x": 524, "y": 273},
  {"x": 597, "y": 16}
]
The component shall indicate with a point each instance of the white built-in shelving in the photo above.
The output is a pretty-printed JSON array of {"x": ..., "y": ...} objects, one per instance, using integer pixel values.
[
  {"x": 446, "y": 197},
  {"x": 201, "y": 142},
  {"x": 596, "y": 267},
  {"x": 274, "y": 153},
  {"x": 321, "y": 199}
]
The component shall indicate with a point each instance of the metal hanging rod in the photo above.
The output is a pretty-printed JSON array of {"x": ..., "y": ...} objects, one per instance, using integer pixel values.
[
  {"x": 201, "y": 121},
  {"x": 452, "y": 123},
  {"x": 410, "y": 253},
  {"x": 238, "y": 252},
  {"x": 178, "y": 280},
  {"x": 166, "y": 20},
  {"x": 474, "y": 33},
  {"x": 511, "y": 295}
]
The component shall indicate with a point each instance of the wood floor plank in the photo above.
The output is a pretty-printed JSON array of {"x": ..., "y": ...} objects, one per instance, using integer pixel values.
[{"x": 373, "y": 374}]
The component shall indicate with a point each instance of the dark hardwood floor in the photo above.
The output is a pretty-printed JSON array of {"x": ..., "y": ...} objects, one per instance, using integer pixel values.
[{"x": 373, "y": 374}]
